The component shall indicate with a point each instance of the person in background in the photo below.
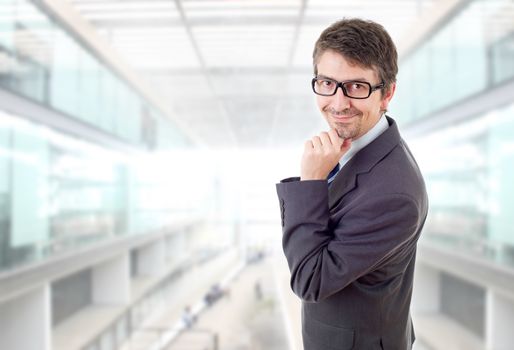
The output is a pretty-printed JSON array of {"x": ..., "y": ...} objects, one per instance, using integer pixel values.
[
  {"x": 257, "y": 288},
  {"x": 188, "y": 318}
]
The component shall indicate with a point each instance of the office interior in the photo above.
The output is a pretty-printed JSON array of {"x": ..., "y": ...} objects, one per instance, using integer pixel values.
[{"x": 140, "y": 144}]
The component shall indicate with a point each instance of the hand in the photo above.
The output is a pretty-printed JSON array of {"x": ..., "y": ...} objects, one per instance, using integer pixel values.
[{"x": 321, "y": 154}]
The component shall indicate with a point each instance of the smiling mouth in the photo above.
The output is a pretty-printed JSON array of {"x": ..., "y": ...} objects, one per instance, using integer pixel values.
[{"x": 343, "y": 117}]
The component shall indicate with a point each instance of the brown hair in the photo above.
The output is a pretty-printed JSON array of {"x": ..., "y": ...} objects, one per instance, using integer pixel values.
[{"x": 362, "y": 42}]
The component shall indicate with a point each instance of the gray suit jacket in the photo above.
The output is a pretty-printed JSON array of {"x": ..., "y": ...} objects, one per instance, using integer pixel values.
[{"x": 351, "y": 247}]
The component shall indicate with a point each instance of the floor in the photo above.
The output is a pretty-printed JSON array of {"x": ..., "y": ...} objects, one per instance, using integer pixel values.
[{"x": 248, "y": 317}]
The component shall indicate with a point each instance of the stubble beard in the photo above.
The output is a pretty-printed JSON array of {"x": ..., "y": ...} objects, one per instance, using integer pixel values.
[{"x": 349, "y": 130}]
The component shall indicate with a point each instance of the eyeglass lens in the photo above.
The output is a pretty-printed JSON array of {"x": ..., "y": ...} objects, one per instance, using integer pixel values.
[{"x": 352, "y": 88}]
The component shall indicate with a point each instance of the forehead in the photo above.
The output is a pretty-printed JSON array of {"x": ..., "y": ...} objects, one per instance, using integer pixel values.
[{"x": 333, "y": 65}]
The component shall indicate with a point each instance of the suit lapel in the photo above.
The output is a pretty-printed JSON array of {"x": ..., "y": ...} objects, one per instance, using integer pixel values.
[
  {"x": 362, "y": 162},
  {"x": 344, "y": 182}
]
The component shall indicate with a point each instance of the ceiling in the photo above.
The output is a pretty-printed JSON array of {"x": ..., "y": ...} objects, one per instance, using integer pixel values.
[{"x": 236, "y": 72}]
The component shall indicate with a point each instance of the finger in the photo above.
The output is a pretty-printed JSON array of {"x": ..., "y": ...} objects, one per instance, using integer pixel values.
[
  {"x": 334, "y": 138},
  {"x": 308, "y": 145},
  {"x": 325, "y": 139},
  {"x": 316, "y": 142}
]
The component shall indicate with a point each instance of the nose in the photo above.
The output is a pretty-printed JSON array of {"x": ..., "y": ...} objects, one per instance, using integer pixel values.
[{"x": 340, "y": 101}]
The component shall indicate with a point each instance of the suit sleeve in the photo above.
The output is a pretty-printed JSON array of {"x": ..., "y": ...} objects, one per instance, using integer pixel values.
[{"x": 325, "y": 258}]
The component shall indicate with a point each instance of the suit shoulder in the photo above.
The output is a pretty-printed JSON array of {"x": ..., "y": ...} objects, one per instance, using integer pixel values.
[{"x": 397, "y": 173}]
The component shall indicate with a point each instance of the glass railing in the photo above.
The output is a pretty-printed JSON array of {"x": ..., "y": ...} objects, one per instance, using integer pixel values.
[
  {"x": 468, "y": 170},
  {"x": 59, "y": 193},
  {"x": 471, "y": 53},
  {"x": 42, "y": 61}
]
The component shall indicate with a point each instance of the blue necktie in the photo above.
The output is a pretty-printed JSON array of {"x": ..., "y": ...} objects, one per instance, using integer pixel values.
[{"x": 333, "y": 172}]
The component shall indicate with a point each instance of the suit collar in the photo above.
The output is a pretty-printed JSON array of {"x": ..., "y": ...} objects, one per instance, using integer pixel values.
[{"x": 363, "y": 162}]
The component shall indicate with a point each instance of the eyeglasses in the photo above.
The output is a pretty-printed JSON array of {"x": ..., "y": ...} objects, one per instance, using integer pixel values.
[{"x": 351, "y": 88}]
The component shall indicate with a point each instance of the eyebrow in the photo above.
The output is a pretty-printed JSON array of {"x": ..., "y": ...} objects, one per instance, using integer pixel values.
[{"x": 355, "y": 79}]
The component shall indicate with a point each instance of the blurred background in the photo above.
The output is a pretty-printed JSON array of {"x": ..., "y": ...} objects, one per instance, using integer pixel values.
[{"x": 140, "y": 144}]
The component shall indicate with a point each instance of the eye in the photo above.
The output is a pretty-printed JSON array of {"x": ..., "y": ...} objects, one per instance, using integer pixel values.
[
  {"x": 326, "y": 83},
  {"x": 357, "y": 86}
]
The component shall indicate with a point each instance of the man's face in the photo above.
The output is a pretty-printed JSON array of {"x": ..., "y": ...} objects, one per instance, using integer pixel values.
[{"x": 352, "y": 118}]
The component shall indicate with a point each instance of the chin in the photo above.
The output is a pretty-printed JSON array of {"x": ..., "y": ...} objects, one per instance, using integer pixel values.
[{"x": 345, "y": 132}]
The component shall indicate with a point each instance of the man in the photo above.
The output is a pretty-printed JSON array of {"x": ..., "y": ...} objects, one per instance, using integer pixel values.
[{"x": 352, "y": 220}]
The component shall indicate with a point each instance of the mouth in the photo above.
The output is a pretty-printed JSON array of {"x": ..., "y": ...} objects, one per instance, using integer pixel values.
[{"x": 343, "y": 117}]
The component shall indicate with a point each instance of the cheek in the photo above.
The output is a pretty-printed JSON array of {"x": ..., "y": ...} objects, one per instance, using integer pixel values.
[
  {"x": 359, "y": 105},
  {"x": 322, "y": 102},
  {"x": 370, "y": 107}
]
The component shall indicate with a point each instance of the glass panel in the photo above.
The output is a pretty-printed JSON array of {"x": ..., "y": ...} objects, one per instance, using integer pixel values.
[
  {"x": 441, "y": 65},
  {"x": 108, "y": 100},
  {"x": 29, "y": 187},
  {"x": 419, "y": 68},
  {"x": 500, "y": 38},
  {"x": 471, "y": 53},
  {"x": 86, "y": 185},
  {"x": 127, "y": 118},
  {"x": 40, "y": 60},
  {"x": 469, "y": 170},
  {"x": 56, "y": 192},
  {"x": 7, "y": 62},
  {"x": 502, "y": 53},
  {"x": 7, "y": 30},
  {"x": 148, "y": 127},
  {"x": 5, "y": 180},
  {"x": 501, "y": 171},
  {"x": 89, "y": 88},
  {"x": 405, "y": 89},
  {"x": 7, "y": 12},
  {"x": 32, "y": 46},
  {"x": 64, "y": 81}
]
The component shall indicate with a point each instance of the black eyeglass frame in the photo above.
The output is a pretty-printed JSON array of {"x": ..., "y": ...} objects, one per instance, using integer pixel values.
[{"x": 340, "y": 84}]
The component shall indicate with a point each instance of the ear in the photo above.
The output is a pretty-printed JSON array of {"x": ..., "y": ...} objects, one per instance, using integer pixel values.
[{"x": 388, "y": 95}]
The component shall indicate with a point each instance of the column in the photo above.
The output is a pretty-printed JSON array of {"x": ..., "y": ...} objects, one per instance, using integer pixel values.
[
  {"x": 499, "y": 321},
  {"x": 151, "y": 258},
  {"x": 426, "y": 296},
  {"x": 25, "y": 321},
  {"x": 111, "y": 281}
]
